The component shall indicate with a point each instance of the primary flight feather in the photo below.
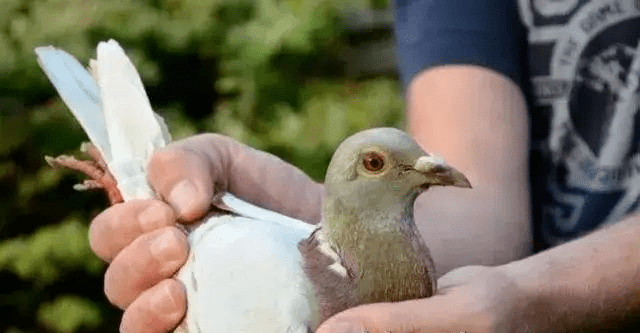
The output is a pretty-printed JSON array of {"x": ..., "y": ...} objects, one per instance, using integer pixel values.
[{"x": 250, "y": 269}]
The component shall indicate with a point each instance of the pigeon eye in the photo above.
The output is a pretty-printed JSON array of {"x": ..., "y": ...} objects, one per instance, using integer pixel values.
[{"x": 373, "y": 161}]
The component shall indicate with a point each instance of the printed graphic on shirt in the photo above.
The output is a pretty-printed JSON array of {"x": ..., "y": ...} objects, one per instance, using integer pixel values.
[{"x": 585, "y": 65}]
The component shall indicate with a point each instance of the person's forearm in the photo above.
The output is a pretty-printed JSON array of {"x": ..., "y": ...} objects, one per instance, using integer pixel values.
[
  {"x": 589, "y": 284},
  {"x": 477, "y": 120},
  {"x": 483, "y": 226}
]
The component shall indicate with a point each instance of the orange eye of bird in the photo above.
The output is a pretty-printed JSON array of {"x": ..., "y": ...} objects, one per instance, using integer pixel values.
[{"x": 373, "y": 161}]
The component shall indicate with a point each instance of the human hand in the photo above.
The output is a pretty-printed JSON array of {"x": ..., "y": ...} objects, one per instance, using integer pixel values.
[
  {"x": 140, "y": 238},
  {"x": 469, "y": 299}
]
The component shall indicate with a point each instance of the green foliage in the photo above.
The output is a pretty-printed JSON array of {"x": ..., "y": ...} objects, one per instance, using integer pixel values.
[
  {"x": 331, "y": 111},
  {"x": 69, "y": 313},
  {"x": 270, "y": 73},
  {"x": 44, "y": 256}
]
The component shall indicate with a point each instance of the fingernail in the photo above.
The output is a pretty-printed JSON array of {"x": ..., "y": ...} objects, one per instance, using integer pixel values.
[
  {"x": 182, "y": 197},
  {"x": 163, "y": 301},
  {"x": 125, "y": 324},
  {"x": 343, "y": 327},
  {"x": 152, "y": 217},
  {"x": 164, "y": 248}
]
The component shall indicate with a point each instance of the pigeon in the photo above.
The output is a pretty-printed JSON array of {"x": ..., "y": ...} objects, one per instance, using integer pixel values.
[{"x": 251, "y": 269}]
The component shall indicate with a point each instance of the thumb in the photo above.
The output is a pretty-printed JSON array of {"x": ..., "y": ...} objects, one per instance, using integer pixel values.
[
  {"x": 377, "y": 318},
  {"x": 183, "y": 177}
]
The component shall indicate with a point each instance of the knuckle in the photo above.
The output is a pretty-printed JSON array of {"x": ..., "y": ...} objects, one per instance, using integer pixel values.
[
  {"x": 154, "y": 215},
  {"x": 167, "y": 213},
  {"x": 196, "y": 140},
  {"x": 158, "y": 309},
  {"x": 139, "y": 319},
  {"x": 172, "y": 164},
  {"x": 150, "y": 258},
  {"x": 165, "y": 157},
  {"x": 146, "y": 260},
  {"x": 112, "y": 289},
  {"x": 128, "y": 272},
  {"x": 114, "y": 228},
  {"x": 169, "y": 251},
  {"x": 95, "y": 241},
  {"x": 175, "y": 303},
  {"x": 99, "y": 229}
]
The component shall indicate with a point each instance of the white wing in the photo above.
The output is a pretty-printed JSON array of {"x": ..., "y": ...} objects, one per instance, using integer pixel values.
[
  {"x": 245, "y": 276},
  {"x": 133, "y": 127},
  {"x": 244, "y": 272},
  {"x": 113, "y": 108},
  {"x": 79, "y": 91},
  {"x": 246, "y": 209}
]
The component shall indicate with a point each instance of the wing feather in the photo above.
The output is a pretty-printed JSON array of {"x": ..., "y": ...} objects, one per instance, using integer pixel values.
[
  {"x": 134, "y": 130},
  {"x": 243, "y": 273},
  {"x": 79, "y": 91}
]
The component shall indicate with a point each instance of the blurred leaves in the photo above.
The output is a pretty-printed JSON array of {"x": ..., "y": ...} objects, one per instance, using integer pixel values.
[
  {"x": 270, "y": 73},
  {"x": 78, "y": 312},
  {"x": 331, "y": 111},
  {"x": 44, "y": 256},
  {"x": 14, "y": 125}
]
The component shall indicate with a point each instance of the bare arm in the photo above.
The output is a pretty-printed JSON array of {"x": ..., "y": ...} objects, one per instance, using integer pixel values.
[
  {"x": 476, "y": 119},
  {"x": 588, "y": 284}
]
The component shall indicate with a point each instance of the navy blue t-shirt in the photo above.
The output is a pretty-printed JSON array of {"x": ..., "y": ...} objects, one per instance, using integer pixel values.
[{"x": 578, "y": 63}]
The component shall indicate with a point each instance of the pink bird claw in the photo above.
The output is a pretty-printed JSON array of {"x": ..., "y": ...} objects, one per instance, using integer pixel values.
[
  {"x": 94, "y": 153},
  {"x": 88, "y": 184},
  {"x": 95, "y": 168}
]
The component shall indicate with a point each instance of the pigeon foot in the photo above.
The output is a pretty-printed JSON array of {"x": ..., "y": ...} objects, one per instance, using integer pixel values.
[{"x": 95, "y": 168}]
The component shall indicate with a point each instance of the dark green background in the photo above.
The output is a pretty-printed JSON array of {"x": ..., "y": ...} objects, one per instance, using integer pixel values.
[{"x": 290, "y": 77}]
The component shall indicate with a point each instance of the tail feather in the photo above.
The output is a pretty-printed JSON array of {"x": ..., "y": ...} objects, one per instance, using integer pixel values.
[
  {"x": 112, "y": 107},
  {"x": 79, "y": 91}
]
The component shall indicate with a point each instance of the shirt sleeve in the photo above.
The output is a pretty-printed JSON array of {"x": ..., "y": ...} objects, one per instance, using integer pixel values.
[{"x": 486, "y": 33}]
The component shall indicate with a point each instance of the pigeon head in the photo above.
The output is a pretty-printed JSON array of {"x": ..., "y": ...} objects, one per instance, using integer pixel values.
[
  {"x": 371, "y": 185},
  {"x": 383, "y": 168}
]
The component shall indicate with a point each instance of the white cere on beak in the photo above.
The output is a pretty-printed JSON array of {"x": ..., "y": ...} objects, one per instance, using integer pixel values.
[{"x": 429, "y": 163}]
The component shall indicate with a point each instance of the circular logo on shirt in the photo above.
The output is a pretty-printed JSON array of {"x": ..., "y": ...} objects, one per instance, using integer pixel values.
[
  {"x": 594, "y": 112},
  {"x": 593, "y": 92},
  {"x": 554, "y": 7}
]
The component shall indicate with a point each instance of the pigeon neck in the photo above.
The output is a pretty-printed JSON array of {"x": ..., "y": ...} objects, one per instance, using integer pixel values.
[
  {"x": 339, "y": 216},
  {"x": 381, "y": 249}
]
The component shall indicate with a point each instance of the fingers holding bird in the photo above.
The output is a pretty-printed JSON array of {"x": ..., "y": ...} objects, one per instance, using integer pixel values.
[
  {"x": 182, "y": 176},
  {"x": 148, "y": 260},
  {"x": 119, "y": 225},
  {"x": 157, "y": 310}
]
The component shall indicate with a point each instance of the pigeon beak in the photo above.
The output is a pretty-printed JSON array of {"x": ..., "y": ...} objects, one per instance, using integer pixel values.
[{"x": 438, "y": 172}]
